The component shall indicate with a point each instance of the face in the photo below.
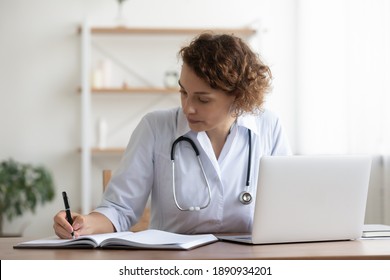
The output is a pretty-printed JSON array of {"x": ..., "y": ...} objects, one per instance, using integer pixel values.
[{"x": 206, "y": 109}]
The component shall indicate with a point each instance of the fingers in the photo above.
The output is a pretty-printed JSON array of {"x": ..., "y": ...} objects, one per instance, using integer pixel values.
[
  {"x": 61, "y": 226},
  {"x": 79, "y": 225}
]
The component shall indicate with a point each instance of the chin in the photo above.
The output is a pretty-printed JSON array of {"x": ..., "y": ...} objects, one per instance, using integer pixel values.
[{"x": 197, "y": 128}]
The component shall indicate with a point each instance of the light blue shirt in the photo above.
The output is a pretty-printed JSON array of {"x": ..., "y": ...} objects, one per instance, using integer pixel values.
[{"x": 146, "y": 169}]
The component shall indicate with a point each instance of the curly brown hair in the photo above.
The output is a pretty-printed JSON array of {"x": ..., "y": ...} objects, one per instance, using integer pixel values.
[{"x": 227, "y": 63}]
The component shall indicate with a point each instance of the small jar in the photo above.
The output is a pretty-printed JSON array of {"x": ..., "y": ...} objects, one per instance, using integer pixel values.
[{"x": 171, "y": 79}]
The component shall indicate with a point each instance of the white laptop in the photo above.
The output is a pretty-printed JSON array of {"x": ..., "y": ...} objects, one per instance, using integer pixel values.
[{"x": 309, "y": 198}]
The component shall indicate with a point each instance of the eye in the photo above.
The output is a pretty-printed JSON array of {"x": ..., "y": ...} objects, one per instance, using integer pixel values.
[
  {"x": 183, "y": 92},
  {"x": 204, "y": 100}
]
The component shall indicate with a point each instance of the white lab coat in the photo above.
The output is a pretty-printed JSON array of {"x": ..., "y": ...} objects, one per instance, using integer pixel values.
[{"x": 146, "y": 169}]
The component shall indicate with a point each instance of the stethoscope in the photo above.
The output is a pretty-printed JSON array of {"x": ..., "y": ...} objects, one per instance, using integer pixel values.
[{"x": 245, "y": 197}]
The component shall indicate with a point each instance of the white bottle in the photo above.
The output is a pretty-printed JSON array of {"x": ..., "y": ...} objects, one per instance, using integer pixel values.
[
  {"x": 97, "y": 78},
  {"x": 102, "y": 133}
]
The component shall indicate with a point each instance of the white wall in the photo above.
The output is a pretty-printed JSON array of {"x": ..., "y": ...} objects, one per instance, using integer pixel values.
[
  {"x": 40, "y": 74},
  {"x": 343, "y": 86},
  {"x": 344, "y": 65}
]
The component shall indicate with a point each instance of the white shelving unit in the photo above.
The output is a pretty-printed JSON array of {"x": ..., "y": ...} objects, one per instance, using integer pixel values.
[
  {"x": 85, "y": 118},
  {"x": 87, "y": 150}
]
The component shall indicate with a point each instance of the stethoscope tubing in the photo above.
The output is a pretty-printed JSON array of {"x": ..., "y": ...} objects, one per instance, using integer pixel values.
[
  {"x": 248, "y": 172},
  {"x": 192, "y": 208}
]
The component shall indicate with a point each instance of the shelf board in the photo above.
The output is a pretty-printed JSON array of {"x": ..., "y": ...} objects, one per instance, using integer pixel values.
[
  {"x": 106, "y": 151},
  {"x": 245, "y": 31},
  {"x": 130, "y": 90}
]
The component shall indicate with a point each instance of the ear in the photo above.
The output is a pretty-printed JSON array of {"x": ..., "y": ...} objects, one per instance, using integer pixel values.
[{"x": 234, "y": 109}]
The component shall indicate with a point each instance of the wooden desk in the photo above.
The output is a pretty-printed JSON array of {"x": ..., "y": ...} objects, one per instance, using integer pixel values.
[{"x": 359, "y": 249}]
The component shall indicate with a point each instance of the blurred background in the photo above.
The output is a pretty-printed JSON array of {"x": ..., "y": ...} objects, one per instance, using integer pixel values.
[{"x": 330, "y": 61}]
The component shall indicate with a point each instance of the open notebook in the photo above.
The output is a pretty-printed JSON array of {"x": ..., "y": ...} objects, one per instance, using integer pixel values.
[
  {"x": 148, "y": 239},
  {"x": 309, "y": 198}
]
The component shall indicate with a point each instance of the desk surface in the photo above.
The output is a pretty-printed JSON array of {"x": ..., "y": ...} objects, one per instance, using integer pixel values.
[{"x": 359, "y": 249}]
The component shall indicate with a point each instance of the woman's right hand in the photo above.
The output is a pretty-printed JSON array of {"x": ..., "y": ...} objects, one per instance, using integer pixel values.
[
  {"x": 82, "y": 224},
  {"x": 62, "y": 227}
]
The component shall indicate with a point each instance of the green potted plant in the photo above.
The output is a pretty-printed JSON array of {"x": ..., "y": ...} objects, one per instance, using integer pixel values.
[{"x": 22, "y": 188}]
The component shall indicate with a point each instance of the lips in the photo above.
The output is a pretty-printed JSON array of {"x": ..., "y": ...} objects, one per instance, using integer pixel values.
[{"x": 191, "y": 121}]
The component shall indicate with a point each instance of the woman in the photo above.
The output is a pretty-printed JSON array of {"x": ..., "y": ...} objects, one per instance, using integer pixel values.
[{"x": 222, "y": 86}]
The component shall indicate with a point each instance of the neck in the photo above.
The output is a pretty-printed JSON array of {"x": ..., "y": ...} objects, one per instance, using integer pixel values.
[{"x": 219, "y": 135}]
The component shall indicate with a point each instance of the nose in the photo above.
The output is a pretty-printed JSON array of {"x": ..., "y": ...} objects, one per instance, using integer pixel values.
[{"x": 187, "y": 106}]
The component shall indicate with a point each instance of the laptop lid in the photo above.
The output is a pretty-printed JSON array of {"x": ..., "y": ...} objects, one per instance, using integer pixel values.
[{"x": 310, "y": 198}]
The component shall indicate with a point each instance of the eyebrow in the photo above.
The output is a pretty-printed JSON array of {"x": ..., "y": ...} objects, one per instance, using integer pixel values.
[{"x": 196, "y": 92}]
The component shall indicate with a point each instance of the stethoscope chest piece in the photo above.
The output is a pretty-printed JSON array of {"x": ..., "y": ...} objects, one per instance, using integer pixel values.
[{"x": 245, "y": 197}]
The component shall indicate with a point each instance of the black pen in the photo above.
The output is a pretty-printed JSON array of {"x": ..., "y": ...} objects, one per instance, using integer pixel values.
[{"x": 67, "y": 210}]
